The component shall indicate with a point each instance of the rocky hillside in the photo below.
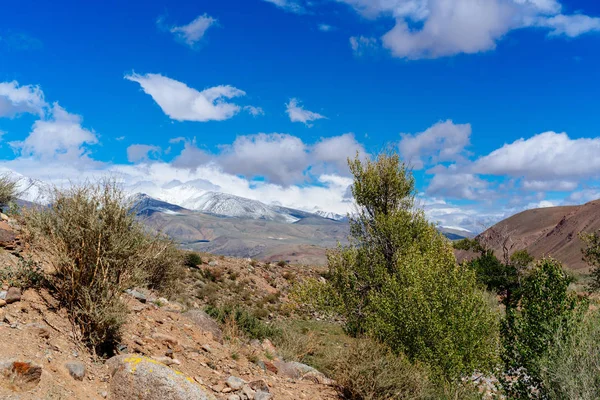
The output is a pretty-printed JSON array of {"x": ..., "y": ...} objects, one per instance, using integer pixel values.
[
  {"x": 171, "y": 349},
  {"x": 544, "y": 232}
]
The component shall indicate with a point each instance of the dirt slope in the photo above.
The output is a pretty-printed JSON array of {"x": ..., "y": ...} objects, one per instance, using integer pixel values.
[{"x": 546, "y": 232}]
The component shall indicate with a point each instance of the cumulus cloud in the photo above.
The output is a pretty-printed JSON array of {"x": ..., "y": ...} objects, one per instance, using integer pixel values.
[
  {"x": 182, "y": 103},
  {"x": 297, "y": 113},
  {"x": 60, "y": 137},
  {"x": 142, "y": 152},
  {"x": 293, "y": 6},
  {"x": 335, "y": 151},
  {"x": 451, "y": 183},
  {"x": 281, "y": 158},
  {"x": 444, "y": 141},
  {"x": 543, "y": 157},
  {"x": 193, "y": 32},
  {"x": 16, "y": 99},
  {"x": 438, "y": 28}
]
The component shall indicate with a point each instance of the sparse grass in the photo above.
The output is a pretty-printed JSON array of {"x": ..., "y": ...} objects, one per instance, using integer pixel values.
[
  {"x": 249, "y": 325},
  {"x": 98, "y": 250},
  {"x": 282, "y": 263}
]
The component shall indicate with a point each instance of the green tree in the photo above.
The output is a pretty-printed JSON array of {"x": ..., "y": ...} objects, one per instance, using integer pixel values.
[
  {"x": 399, "y": 282},
  {"x": 591, "y": 255},
  {"x": 530, "y": 328}
]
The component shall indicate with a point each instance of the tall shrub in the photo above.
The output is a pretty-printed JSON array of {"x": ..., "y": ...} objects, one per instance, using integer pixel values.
[
  {"x": 546, "y": 314},
  {"x": 398, "y": 279},
  {"x": 97, "y": 250}
]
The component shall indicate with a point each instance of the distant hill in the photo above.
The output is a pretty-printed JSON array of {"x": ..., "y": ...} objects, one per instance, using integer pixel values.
[{"x": 552, "y": 231}]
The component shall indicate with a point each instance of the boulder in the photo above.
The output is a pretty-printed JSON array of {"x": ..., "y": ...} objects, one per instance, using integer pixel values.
[
  {"x": 262, "y": 396},
  {"x": 203, "y": 321},
  {"x": 141, "y": 378},
  {"x": 296, "y": 370},
  {"x": 137, "y": 295},
  {"x": 20, "y": 376}
]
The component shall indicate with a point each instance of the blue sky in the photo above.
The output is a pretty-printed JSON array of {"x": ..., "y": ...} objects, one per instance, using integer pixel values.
[{"x": 493, "y": 103}]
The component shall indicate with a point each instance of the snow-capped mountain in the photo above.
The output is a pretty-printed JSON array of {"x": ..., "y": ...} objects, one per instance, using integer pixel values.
[
  {"x": 235, "y": 206},
  {"x": 146, "y": 205},
  {"x": 331, "y": 215}
]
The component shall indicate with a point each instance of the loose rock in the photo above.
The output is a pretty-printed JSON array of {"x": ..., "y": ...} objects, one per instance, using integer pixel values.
[
  {"x": 20, "y": 376},
  {"x": 13, "y": 295},
  {"x": 76, "y": 369},
  {"x": 262, "y": 396},
  {"x": 235, "y": 383},
  {"x": 203, "y": 321}
]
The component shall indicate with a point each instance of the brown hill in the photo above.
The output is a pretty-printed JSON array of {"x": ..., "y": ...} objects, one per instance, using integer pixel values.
[{"x": 552, "y": 231}]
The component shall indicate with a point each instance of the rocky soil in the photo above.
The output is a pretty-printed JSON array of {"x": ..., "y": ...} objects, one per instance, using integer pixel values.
[{"x": 170, "y": 350}]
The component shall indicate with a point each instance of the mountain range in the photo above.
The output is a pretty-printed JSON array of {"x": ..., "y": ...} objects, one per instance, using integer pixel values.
[{"x": 552, "y": 231}]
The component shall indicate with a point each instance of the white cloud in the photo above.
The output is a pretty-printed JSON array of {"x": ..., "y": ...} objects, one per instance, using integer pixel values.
[
  {"x": 183, "y": 103},
  {"x": 335, "y": 151},
  {"x": 543, "y": 157},
  {"x": 326, "y": 28},
  {"x": 193, "y": 32},
  {"x": 550, "y": 186},
  {"x": 450, "y": 183},
  {"x": 254, "y": 111},
  {"x": 60, "y": 137},
  {"x": 444, "y": 141},
  {"x": 297, "y": 113},
  {"x": 570, "y": 25},
  {"x": 362, "y": 45},
  {"x": 293, "y": 6},
  {"x": 438, "y": 28},
  {"x": 142, "y": 152},
  {"x": 15, "y": 100},
  {"x": 279, "y": 157}
]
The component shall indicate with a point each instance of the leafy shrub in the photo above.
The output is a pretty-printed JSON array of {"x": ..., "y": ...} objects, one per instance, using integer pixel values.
[
  {"x": 571, "y": 368},
  {"x": 545, "y": 315},
  {"x": 193, "y": 259},
  {"x": 8, "y": 190},
  {"x": 398, "y": 281},
  {"x": 282, "y": 263},
  {"x": 370, "y": 371},
  {"x": 27, "y": 274},
  {"x": 98, "y": 250},
  {"x": 248, "y": 324}
]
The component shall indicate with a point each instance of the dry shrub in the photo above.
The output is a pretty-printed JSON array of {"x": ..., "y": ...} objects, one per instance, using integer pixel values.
[
  {"x": 367, "y": 370},
  {"x": 98, "y": 249},
  {"x": 8, "y": 190}
]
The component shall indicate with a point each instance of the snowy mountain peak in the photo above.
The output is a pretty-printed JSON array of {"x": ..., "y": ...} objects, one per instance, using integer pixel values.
[
  {"x": 235, "y": 206},
  {"x": 330, "y": 215}
]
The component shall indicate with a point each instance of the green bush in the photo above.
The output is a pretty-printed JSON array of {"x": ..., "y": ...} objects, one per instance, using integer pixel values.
[
  {"x": 545, "y": 315},
  {"x": 27, "y": 274},
  {"x": 398, "y": 280},
  {"x": 591, "y": 255},
  {"x": 193, "y": 259},
  {"x": 251, "y": 326},
  {"x": 571, "y": 368},
  {"x": 98, "y": 249}
]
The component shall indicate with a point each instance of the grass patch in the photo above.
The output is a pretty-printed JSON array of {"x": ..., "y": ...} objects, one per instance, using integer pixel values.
[{"x": 248, "y": 324}]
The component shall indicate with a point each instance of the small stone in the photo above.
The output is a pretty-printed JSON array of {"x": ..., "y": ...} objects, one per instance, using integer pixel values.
[
  {"x": 167, "y": 360},
  {"x": 76, "y": 369},
  {"x": 138, "y": 295},
  {"x": 2, "y": 303},
  {"x": 226, "y": 390},
  {"x": 4, "y": 217},
  {"x": 161, "y": 337},
  {"x": 259, "y": 386},
  {"x": 247, "y": 390},
  {"x": 260, "y": 395},
  {"x": 104, "y": 394},
  {"x": 235, "y": 383},
  {"x": 3, "y": 294},
  {"x": 234, "y": 397},
  {"x": 13, "y": 295},
  {"x": 206, "y": 348},
  {"x": 213, "y": 263}
]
